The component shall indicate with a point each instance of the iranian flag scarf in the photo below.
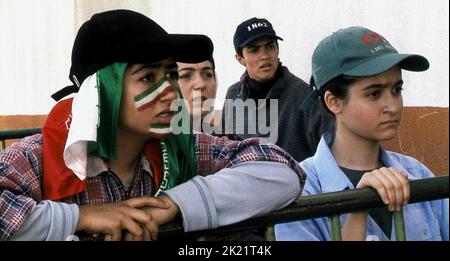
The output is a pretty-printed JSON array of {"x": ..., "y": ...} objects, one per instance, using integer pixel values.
[{"x": 88, "y": 126}]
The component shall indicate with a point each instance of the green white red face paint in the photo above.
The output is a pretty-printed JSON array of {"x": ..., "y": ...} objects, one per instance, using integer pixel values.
[
  {"x": 150, "y": 96},
  {"x": 160, "y": 129}
]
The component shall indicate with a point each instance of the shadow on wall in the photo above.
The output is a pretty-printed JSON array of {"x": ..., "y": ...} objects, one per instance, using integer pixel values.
[{"x": 423, "y": 134}]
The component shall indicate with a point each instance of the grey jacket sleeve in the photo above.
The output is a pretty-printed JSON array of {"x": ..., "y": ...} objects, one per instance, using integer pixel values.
[
  {"x": 49, "y": 220},
  {"x": 235, "y": 194}
]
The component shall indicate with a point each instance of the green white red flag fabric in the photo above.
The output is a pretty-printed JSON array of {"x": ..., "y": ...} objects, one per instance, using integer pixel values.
[
  {"x": 95, "y": 116},
  {"x": 83, "y": 127}
]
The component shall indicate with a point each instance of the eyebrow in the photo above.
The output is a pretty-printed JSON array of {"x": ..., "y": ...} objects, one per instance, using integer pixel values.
[
  {"x": 380, "y": 86},
  {"x": 261, "y": 44},
  {"x": 154, "y": 66},
  {"x": 192, "y": 69}
]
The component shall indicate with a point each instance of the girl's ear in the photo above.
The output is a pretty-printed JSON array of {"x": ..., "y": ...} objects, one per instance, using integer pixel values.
[{"x": 334, "y": 104}]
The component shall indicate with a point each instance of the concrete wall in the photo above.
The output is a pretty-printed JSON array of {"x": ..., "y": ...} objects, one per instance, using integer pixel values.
[
  {"x": 37, "y": 37},
  {"x": 35, "y": 45},
  {"x": 410, "y": 25}
]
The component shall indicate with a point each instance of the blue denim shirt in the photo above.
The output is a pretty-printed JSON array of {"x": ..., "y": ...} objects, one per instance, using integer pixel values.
[{"x": 423, "y": 221}]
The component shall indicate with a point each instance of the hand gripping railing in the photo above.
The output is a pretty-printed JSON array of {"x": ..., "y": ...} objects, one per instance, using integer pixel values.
[{"x": 328, "y": 204}]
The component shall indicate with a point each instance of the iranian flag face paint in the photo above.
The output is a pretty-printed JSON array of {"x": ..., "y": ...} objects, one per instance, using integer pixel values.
[
  {"x": 150, "y": 96},
  {"x": 160, "y": 129},
  {"x": 147, "y": 98}
]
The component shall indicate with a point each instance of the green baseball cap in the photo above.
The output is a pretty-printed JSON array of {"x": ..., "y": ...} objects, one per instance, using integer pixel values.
[{"x": 359, "y": 52}]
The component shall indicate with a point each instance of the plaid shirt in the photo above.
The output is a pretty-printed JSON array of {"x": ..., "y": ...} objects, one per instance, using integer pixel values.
[{"x": 21, "y": 175}]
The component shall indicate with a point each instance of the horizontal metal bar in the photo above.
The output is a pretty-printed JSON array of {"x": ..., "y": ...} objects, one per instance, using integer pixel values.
[
  {"x": 18, "y": 134},
  {"x": 321, "y": 205}
]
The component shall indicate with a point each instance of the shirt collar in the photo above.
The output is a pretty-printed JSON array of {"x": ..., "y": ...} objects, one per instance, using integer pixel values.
[
  {"x": 389, "y": 161},
  {"x": 97, "y": 165},
  {"x": 330, "y": 175}
]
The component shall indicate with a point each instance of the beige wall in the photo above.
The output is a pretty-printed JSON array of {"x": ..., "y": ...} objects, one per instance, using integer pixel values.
[
  {"x": 424, "y": 135},
  {"x": 12, "y": 122}
]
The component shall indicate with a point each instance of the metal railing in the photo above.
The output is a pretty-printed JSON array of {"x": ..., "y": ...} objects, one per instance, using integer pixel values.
[
  {"x": 16, "y": 134},
  {"x": 327, "y": 204}
]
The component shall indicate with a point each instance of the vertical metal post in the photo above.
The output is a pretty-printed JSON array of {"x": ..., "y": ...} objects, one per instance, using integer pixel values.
[
  {"x": 269, "y": 233},
  {"x": 399, "y": 224},
  {"x": 335, "y": 228}
]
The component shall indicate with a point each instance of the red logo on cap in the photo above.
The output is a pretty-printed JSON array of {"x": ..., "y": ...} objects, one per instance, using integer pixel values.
[{"x": 371, "y": 38}]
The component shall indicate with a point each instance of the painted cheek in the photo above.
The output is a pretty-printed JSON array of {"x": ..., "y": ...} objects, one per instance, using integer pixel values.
[{"x": 150, "y": 96}]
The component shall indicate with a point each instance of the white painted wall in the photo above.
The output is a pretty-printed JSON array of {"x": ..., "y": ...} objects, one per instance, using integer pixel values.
[
  {"x": 37, "y": 35},
  {"x": 35, "y": 46}
]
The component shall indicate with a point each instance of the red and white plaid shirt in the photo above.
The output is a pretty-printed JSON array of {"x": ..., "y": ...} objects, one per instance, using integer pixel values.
[{"x": 21, "y": 171}]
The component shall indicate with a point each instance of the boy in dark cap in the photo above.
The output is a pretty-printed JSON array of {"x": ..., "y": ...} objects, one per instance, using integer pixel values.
[
  {"x": 107, "y": 164},
  {"x": 358, "y": 75},
  {"x": 272, "y": 95}
]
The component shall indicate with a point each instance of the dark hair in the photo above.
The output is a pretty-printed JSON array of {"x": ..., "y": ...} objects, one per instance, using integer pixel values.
[
  {"x": 240, "y": 49},
  {"x": 213, "y": 64},
  {"x": 338, "y": 86}
]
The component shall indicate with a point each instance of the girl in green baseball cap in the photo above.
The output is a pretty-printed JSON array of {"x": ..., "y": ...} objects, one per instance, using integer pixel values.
[{"x": 357, "y": 73}]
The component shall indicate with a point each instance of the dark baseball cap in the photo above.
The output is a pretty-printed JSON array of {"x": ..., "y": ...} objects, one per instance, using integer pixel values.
[
  {"x": 128, "y": 36},
  {"x": 250, "y": 30},
  {"x": 359, "y": 52}
]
